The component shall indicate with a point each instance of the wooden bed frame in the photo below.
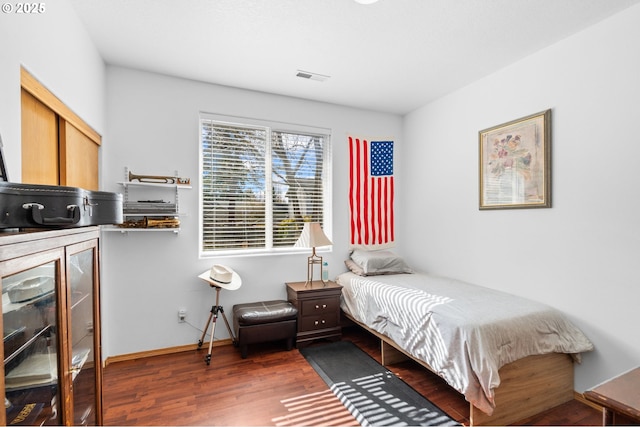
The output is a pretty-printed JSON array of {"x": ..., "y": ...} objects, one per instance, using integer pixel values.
[{"x": 527, "y": 386}]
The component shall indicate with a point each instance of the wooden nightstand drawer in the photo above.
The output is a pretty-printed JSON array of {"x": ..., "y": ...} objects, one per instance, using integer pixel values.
[
  {"x": 310, "y": 323},
  {"x": 318, "y": 307}
]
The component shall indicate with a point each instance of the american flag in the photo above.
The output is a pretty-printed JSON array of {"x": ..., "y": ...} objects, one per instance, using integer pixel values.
[{"x": 371, "y": 189}]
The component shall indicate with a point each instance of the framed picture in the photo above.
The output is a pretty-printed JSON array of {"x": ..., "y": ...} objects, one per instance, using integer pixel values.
[{"x": 515, "y": 163}]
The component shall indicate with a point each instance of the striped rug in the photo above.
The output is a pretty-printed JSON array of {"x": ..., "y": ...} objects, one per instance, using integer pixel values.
[{"x": 370, "y": 392}]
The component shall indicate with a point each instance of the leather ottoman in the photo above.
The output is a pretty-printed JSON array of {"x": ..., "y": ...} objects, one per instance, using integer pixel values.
[{"x": 264, "y": 321}]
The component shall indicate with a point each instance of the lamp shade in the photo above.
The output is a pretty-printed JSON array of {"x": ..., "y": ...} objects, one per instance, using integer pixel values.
[{"x": 312, "y": 236}]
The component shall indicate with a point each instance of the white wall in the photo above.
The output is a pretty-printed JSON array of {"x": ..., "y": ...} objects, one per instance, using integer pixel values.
[
  {"x": 55, "y": 48},
  {"x": 579, "y": 256},
  {"x": 153, "y": 129}
]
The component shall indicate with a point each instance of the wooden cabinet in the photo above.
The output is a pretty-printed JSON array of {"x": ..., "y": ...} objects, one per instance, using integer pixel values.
[
  {"x": 318, "y": 310},
  {"x": 51, "y": 327}
]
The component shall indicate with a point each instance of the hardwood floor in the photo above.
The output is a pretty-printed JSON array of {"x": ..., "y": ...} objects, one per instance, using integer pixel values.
[{"x": 271, "y": 386}]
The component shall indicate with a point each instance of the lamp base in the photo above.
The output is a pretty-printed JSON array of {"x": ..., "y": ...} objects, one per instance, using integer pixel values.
[{"x": 311, "y": 262}]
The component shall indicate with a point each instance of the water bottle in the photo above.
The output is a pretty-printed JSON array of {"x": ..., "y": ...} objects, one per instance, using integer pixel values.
[{"x": 325, "y": 271}]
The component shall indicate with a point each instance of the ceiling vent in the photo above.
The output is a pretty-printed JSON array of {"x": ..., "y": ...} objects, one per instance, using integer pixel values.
[{"x": 311, "y": 76}]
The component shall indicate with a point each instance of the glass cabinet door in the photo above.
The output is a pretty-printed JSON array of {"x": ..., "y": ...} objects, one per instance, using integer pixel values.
[
  {"x": 85, "y": 362},
  {"x": 31, "y": 346}
]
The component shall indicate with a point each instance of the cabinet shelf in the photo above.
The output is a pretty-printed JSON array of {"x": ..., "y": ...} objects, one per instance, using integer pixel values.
[
  {"x": 77, "y": 298},
  {"x": 27, "y": 344}
]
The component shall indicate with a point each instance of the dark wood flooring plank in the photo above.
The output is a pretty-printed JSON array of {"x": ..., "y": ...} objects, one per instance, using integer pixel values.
[{"x": 180, "y": 389}]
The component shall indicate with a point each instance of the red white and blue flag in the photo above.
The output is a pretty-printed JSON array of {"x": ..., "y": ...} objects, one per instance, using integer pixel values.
[{"x": 371, "y": 190}]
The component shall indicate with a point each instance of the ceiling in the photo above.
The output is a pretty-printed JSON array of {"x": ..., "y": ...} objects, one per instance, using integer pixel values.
[{"x": 392, "y": 56}]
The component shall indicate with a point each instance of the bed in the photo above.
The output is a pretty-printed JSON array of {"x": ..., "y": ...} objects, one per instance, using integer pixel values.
[{"x": 509, "y": 356}]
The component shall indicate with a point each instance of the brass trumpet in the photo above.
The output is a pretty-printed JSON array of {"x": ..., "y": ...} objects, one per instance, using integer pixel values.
[{"x": 159, "y": 179}]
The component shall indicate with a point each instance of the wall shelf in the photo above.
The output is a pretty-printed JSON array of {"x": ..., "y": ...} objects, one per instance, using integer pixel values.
[
  {"x": 125, "y": 230},
  {"x": 150, "y": 215},
  {"x": 153, "y": 184}
]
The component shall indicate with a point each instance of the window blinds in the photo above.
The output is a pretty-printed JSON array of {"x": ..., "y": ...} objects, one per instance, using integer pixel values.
[{"x": 259, "y": 184}]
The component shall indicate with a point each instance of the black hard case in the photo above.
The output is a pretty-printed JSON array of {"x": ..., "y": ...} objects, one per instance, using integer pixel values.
[{"x": 49, "y": 206}]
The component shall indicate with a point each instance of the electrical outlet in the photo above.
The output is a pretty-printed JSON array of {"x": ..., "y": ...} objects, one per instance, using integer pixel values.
[{"x": 182, "y": 315}]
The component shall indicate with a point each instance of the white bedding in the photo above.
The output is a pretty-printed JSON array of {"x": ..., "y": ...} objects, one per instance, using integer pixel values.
[{"x": 464, "y": 332}]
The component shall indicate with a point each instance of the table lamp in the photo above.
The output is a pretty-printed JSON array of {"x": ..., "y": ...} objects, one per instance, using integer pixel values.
[{"x": 312, "y": 236}]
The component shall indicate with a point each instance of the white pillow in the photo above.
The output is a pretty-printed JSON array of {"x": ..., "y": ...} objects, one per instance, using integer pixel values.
[
  {"x": 380, "y": 262},
  {"x": 353, "y": 267}
]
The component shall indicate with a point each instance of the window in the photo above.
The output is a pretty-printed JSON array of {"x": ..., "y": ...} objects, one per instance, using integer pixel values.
[{"x": 260, "y": 183}]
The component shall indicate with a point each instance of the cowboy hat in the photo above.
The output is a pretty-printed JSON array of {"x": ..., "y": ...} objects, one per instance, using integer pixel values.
[{"x": 222, "y": 277}]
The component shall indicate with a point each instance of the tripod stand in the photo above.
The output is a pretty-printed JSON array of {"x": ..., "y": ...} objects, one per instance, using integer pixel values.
[{"x": 213, "y": 317}]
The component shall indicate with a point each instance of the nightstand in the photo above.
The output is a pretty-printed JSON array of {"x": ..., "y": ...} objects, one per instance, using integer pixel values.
[{"x": 318, "y": 310}]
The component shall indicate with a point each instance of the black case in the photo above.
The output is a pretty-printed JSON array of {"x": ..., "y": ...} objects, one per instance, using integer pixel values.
[{"x": 51, "y": 206}]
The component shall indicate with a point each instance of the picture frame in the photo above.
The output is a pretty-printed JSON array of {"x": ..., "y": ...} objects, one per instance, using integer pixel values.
[{"x": 515, "y": 163}]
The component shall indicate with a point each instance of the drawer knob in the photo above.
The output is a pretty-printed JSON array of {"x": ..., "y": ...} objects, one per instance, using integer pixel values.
[
  {"x": 318, "y": 322},
  {"x": 323, "y": 306}
]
